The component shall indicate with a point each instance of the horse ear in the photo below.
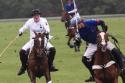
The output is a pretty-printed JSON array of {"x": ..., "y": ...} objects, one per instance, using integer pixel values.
[{"x": 98, "y": 31}]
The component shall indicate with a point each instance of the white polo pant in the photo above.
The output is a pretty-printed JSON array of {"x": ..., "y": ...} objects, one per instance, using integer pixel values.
[
  {"x": 91, "y": 49},
  {"x": 76, "y": 17},
  {"x": 30, "y": 44}
]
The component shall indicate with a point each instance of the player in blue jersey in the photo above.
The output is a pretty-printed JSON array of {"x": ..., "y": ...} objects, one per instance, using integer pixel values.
[
  {"x": 71, "y": 9},
  {"x": 88, "y": 32}
]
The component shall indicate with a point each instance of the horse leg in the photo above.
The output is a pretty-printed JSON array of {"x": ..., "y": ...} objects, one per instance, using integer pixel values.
[
  {"x": 32, "y": 77},
  {"x": 75, "y": 44},
  {"x": 116, "y": 80},
  {"x": 47, "y": 76},
  {"x": 68, "y": 43},
  {"x": 123, "y": 78},
  {"x": 97, "y": 80},
  {"x": 66, "y": 28}
]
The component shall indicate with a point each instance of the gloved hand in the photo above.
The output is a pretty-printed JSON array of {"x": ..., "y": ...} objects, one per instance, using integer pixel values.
[{"x": 20, "y": 32}]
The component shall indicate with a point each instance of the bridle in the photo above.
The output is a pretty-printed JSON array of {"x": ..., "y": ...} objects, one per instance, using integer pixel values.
[
  {"x": 40, "y": 44},
  {"x": 102, "y": 39}
]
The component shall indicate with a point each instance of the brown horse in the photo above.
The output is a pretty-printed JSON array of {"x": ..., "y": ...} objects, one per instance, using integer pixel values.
[
  {"x": 37, "y": 65},
  {"x": 72, "y": 32},
  {"x": 105, "y": 69}
]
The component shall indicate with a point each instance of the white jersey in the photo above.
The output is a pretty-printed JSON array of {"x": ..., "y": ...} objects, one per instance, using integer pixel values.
[{"x": 41, "y": 26}]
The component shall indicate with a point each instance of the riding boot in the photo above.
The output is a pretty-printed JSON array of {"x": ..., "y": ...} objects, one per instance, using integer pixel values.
[
  {"x": 51, "y": 56},
  {"x": 88, "y": 64},
  {"x": 66, "y": 26},
  {"x": 23, "y": 59},
  {"x": 120, "y": 59}
]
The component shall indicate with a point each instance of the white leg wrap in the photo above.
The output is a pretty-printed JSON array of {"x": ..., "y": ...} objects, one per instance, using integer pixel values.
[{"x": 50, "y": 82}]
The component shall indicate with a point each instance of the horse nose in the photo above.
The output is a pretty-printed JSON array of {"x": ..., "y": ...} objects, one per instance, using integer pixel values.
[{"x": 103, "y": 43}]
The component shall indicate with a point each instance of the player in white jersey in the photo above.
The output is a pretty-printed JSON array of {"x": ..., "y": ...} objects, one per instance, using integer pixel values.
[{"x": 36, "y": 24}]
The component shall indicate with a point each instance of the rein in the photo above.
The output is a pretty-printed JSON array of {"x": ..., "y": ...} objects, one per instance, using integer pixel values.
[
  {"x": 43, "y": 49},
  {"x": 115, "y": 42}
]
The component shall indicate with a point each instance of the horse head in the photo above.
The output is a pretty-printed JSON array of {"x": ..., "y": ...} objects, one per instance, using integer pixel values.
[
  {"x": 65, "y": 16},
  {"x": 39, "y": 44},
  {"x": 103, "y": 62},
  {"x": 102, "y": 39}
]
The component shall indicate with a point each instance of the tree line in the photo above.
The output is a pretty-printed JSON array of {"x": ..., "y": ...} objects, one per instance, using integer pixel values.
[{"x": 22, "y": 8}]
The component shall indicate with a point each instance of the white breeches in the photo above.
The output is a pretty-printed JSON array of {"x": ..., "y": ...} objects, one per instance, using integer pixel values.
[
  {"x": 30, "y": 44},
  {"x": 75, "y": 18},
  {"x": 77, "y": 15},
  {"x": 93, "y": 47}
]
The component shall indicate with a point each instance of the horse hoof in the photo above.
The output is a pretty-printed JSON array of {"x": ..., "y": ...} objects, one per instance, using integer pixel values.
[
  {"x": 52, "y": 69},
  {"x": 90, "y": 79}
]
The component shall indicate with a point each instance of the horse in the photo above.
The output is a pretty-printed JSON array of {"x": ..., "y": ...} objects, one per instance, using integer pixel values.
[
  {"x": 37, "y": 65},
  {"x": 105, "y": 68},
  {"x": 72, "y": 32},
  {"x": 66, "y": 19}
]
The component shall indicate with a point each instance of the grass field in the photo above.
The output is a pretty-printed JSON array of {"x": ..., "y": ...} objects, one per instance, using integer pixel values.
[{"x": 71, "y": 69}]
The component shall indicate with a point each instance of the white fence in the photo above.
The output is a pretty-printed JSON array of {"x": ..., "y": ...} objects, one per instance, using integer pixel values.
[{"x": 58, "y": 18}]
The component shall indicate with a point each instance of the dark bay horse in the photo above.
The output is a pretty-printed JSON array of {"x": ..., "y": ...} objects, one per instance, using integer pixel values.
[
  {"x": 105, "y": 69},
  {"x": 72, "y": 32},
  {"x": 37, "y": 65}
]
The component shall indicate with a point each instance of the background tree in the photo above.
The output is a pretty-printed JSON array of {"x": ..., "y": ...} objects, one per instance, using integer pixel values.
[{"x": 22, "y": 8}]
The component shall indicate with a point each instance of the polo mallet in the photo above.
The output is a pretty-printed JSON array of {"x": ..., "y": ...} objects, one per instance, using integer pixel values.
[
  {"x": 62, "y": 5},
  {"x": 75, "y": 14},
  {"x": 10, "y": 43}
]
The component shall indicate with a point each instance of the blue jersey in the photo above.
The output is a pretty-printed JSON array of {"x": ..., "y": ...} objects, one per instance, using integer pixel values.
[
  {"x": 69, "y": 7},
  {"x": 89, "y": 32}
]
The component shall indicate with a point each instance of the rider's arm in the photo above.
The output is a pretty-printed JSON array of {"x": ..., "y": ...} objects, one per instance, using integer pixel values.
[
  {"x": 73, "y": 11},
  {"x": 47, "y": 28},
  {"x": 102, "y": 24},
  {"x": 97, "y": 22},
  {"x": 23, "y": 28}
]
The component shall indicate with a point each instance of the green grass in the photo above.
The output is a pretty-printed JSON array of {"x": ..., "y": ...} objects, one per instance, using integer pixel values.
[{"x": 71, "y": 69}]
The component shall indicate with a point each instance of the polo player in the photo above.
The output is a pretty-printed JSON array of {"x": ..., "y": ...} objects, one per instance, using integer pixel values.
[
  {"x": 88, "y": 32},
  {"x": 71, "y": 9},
  {"x": 36, "y": 24}
]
